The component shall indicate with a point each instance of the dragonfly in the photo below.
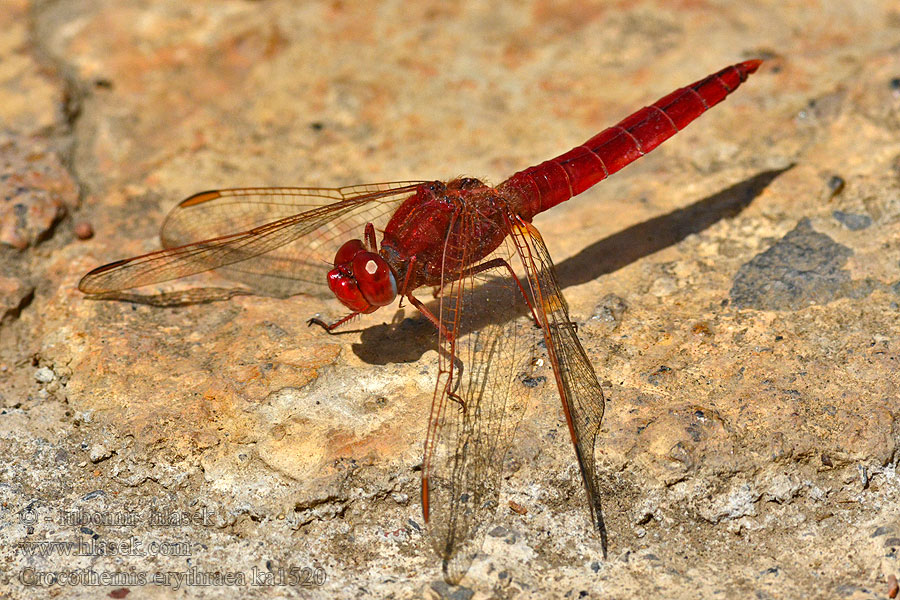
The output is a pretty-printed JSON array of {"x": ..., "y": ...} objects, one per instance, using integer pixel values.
[{"x": 496, "y": 299}]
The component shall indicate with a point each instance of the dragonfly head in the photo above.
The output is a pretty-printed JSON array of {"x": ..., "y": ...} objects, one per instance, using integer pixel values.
[{"x": 361, "y": 279}]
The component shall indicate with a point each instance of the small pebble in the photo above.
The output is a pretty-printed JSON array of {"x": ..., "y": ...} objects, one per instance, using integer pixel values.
[
  {"x": 882, "y": 530},
  {"x": 92, "y": 495},
  {"x": 701, "y": 328},
  {"x": 44, "y": 375},
  {"x": 517, "y": 508},
  {"x": 836, "y": 185},
  {"x": 852, "y": 221},
  {"x": 84, "y": 230},
  {"x": 893, "y": 586},
  {"x": 610, "y": 310},
  {"x": 533, "y": 381},
  {"x": 14, "y": 239},
  {"x": 99, "y": 452}
]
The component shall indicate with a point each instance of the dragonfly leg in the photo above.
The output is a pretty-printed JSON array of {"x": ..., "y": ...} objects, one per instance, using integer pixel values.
[
  {"x": 428, "y": 314},
  {"x": 371, "y": 242},
  {"x": 409, "y": 269},
  {"x": 330, "y": 327},
  {"x": 404, "y": 291},
  {"x": 499, "y": 262},
  {"x": 458, "y": 400}
]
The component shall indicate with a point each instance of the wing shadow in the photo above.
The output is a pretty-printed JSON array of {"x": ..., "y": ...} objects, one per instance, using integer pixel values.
[{"x": 407, "y": 340}]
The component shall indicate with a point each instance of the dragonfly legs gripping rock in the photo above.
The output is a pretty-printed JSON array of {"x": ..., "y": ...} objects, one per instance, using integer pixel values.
[{"x": 329, "y": 328}]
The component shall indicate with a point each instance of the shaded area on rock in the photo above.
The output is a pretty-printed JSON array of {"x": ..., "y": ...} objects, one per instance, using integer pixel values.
[
  {"x": 203, "y": 295},
  {"x": 802, "y": 268}
]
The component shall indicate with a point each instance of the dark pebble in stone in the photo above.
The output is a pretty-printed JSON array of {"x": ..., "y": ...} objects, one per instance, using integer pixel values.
[{"x": 852, "y": 221}]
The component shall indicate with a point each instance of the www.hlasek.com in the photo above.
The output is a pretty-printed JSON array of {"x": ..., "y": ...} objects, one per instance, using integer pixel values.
[
  {"x": 193, "y": 577},
  {"x": 133, "y": 546}
]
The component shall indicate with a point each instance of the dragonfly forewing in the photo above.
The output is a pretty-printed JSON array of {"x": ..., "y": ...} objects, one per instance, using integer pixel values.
[{"x": 276, "y": 241}]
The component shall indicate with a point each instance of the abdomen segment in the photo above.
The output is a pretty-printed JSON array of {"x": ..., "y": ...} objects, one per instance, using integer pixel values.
[{"x": 545, "y": 185}]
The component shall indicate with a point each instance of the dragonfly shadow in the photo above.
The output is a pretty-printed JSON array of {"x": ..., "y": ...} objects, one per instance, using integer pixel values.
[
  {"x": 407, "y": 340},
  {"x": 188, "y": 297},
  {"x": 643, "y": 239}
]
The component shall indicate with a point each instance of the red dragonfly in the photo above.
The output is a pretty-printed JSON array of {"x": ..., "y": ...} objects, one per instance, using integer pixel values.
[{"x": 462, "y": 239}]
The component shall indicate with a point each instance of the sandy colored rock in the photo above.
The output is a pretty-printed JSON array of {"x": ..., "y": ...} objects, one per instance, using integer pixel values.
[
  {"x": 740, "y": 308},
  {"x": 37, "y": 192}
]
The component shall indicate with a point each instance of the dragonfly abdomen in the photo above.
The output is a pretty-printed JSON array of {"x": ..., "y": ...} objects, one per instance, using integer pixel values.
[{"x": 543, "y": 186}]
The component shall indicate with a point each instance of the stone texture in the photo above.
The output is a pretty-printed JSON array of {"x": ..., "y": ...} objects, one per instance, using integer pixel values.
[
  {"x": 36, "y": 191},
  {"x": 746, "y": 334},
  {"x": 33, "y": 97},
  {"x": 14, "y": 295},
  {"x": 801, "y": 269}
]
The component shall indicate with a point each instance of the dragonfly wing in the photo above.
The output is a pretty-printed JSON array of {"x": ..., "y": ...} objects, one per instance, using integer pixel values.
[
  {"x": 296, "y": 266},
  {"x": 476, "y": 407},
  {"x": 277, "y": 241},
  {"x": 581, "y": 394}
]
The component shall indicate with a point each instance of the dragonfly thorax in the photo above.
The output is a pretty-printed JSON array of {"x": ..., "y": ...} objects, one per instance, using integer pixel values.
[{"x": 361, "y": 280}]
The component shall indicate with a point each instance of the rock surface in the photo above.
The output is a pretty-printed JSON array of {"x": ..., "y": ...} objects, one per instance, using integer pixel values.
[{"x": 741, "y": 309}]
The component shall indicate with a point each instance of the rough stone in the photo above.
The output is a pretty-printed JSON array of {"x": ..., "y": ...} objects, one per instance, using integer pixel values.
[{"x": 745, "y": 334}]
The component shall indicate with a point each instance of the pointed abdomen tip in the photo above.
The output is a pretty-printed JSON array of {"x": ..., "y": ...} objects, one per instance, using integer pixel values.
[{"x": 750, "y": 66}]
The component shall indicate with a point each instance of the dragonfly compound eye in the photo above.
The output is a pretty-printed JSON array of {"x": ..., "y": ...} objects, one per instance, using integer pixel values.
[
  {"x": 346, "y": 252},
  {"x": 375, "y": 278},
  {"x": 344, "y": 286}
]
